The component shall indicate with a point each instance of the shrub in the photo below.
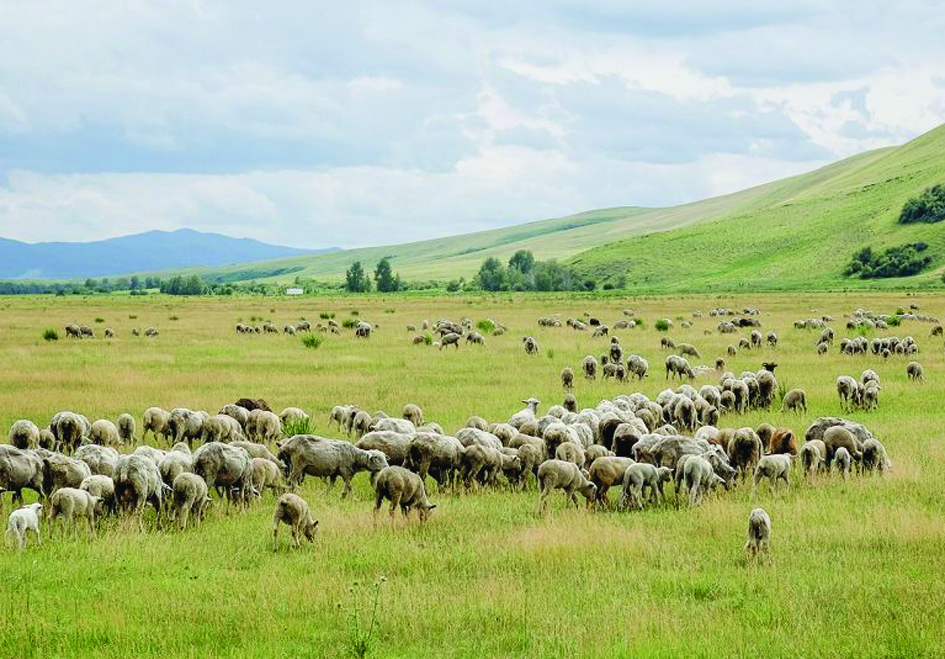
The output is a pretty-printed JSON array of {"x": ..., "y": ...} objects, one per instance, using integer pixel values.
[
  {"x": 640, "y": 323},
  {"x": 428, "y": 339},
  {"x": 901, "y": 261},
  {"x": 132, "y": 316},
  {"x": 51, "y": 335},
  {"x": 486, "y": 326},
  {"x": 311, "y": 341},
  {"x": 355, "y": 312},
  {"x": 173, "y": 317},
  {"x": 99, "y": 320},
  {"x": 349, "y": 323},
  {"x": 894, "y": 321},
  {"x": 453, "y": 286},
  {"x": 298, "y": 427},
  {"x": 325, "y": 315},
  {"x": 663, "y": 324},
  {"x": 928, "y": 207}
]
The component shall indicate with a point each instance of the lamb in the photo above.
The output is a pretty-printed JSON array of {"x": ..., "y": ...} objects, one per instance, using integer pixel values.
[
  {"x": 24, "y": 434},
  {"x": 639, "y": 476},
  {"x": 794, "y": 401},
  {"x": 104, "y": 433},
  {"x": 70, "y": 503},
  {"x": 557, "y": 474},
  {"x": 317, "y": 456},
  {"x": 605, "y": 473},
  {"x": 126, "y": 428},
  {"x": 699, "y": 478},
  {"x": 915, "y": 371},
  {"x": 759, "y": 533},
  {"x": 22, "y": 520},
  {"x": 774, "y": 468},
  {"x": 189, "y": 496},
  {"x": 103, "y": 487},
  {"x": 293, "y": 510},
  {"x": 843, "y": 461},
  {"x": 413, "y": 414},
  {"x": 567, "y": 378},
  {"x": 155, "y": 421}
]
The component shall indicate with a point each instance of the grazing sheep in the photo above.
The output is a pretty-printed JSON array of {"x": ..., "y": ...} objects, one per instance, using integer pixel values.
[
  {"x": 567, "y": 378},
  {"x": 639, "y": 476},
  {"x": 22, "y": 520},
  {"x": 403, "y": 488},
  {"x": 571, "y": 452},
  {"x": 847, "y": 390},
  {"x": 190, "y": 495},
  {"x": 688, "y": 349},
  {"x": 104, "y": 433},
  {"x": 392, "y": 444},
  {"x": 100, "y": 459},
  {"x": 69, "y": 428},
  {"x": 531, "y": 345},
  {"x": 915, "y": 371},
  {"x": 173, "y": 465},
  {"x": 268, "y": 427},
  {"x": 24, "y": 434},
  {"x": 441, "y": 453},
  {"x": 557, "y": 474},
  {"x": 155, "y": 421},
  {"x": 103, "y": 487},
  {"x": 605, "y": 473},
  {"x": 70, "y": 503},
  {"x": 293, "y": 510},
  {"x": 699, "y": 477},
  {"x": 811, "y": 458},
  {"x": 759, "y": 533},
  {"x": 794, "y": 401},
  {"x": 843, "y": 461},
  {"x": 451, "y": 338},
  {"x": 60, "y": 471},
  {"x": 413, "y": 413},
  {"x": 20, "y": 469},
  {"x": 293, "y": 415},
  {"x": 226, "y": 466},
  {"x": 327, "y": 458},
  {"x": 526, "y": 414},
  {"x": 782, "y": 440},
  {"x": 221, "y": 428},
  {"x": 589, "y": 366},
  {"x": 137, "y": 482},
  {"x": 837, "y": 437},
  {"x": 184, "y": 425},
  {"x": 266, "y": 474},
  {"x": 874, "y": 457},
  {"x": 744, "y": 450},
  {"x": 126, "y": 428},
  {"x": 637, "y": 366},
  {"x": 569, "y": 403},
  {"x": 774, "y": 468}
]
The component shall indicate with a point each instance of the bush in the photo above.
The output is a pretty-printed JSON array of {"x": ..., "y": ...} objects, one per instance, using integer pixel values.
[
  {"x": 325, "y": 315},
  {"x": 132, "y": 316},
  {"x": 901, "y": 261},
  {"x": 453, "y": 286},
  {"x": 173, "y": 317},
  {"x": 355, "y": 312},
  {"x": 428, "y": 339},
  {"x": 928, "y": 207},
  {"x": 51, "y": 335},
  {"x": 349, "y": 323},
  {"x": 640, "y": 323},
  {"x": 298, "y": 427},
  {"x": 894, "y": 321},
  {"x": 485, "y": 326},
  {"x": 99, "y": 320},
  {"x": 390, "y": 310},
  {"x": 311, "y": 341},
  {"x": 663, "y": 324}
]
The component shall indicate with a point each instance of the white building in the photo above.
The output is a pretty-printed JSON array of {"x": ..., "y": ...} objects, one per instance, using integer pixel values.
[{"x": 294, "y": 291}]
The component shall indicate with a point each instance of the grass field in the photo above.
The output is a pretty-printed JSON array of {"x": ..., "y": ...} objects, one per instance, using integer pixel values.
[{"x": 856, "y": 570}]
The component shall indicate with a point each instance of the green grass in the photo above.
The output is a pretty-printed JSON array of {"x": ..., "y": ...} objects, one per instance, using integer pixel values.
[{"x": 855, "y": 569}]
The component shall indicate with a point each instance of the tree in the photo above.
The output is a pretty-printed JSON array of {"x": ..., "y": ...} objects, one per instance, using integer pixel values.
[
  {"x": 384, "y": 277},
  {"x": 356, "y": 280},
  {"x": 523, "y": 261},
  {"x": 135, "y": 283},
  {"x": 492, "y": 276}
]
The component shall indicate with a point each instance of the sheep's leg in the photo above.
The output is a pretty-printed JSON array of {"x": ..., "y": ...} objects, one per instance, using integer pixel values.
[
  {"x": 394, "y": 503},
  {"x": 275, "y": 534},
  {"x": 295, "y": 536},
  {"x": 331, "y": 483}
]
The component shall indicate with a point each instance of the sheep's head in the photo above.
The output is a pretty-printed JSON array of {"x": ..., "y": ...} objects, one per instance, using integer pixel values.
[
  {"x": 310, "y": 529},
  {"x": 376, "y": 460}
]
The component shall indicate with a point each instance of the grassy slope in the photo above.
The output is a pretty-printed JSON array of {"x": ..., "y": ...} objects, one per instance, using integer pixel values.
[
  {"x": 801, "y": 235},
  {"x": 856, "y": 566}
]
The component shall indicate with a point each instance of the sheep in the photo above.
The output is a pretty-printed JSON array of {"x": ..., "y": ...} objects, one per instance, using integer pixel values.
[
  {"x": 569, "y": 403},
  {"x": 744, "y": 450},
  {"x": 337, "y": 415},
  {"x": 486, "y": 461},
  {"x": 567, "y": 378},
  {"x": 184, "y": 425},
  {"x": 266, "y": 474},
  {"x": 173, "y": 465},
  {"x": 526, "y": 414},
  {"x": 70, "y": 503},
  {"x": 531, "y": 345},
  {"x": 811, "y": 458},
  {"x": 137, "y": 482},
  {"x": 699, "y": 477},
  {"x": 24, "y": 434},
  {"x": 759, "y": 533},
  {"x": 394, "y": 445},
  {"x": 404, "y": 489},
  {"x": 69, "y": 428},
  {"x": 221, "y": 428},
  {"x": 477, "y": 422},
  {"x": 874, "y": 456},
  {"x": 451, "y": 338},
  {"x": 103, "y": 487},
  {"x": 774, "y": 468},
  {"x": 843, "y": 461},
  {"x": 605, "y": 473},
  {"x": 126, "y": 428},
  {"x": 589, "y": 366},
  {"x": 22, "y": 520},
  {"x": 557, "y": 474},
  {"x": 441, "y": 453},
  {"x": 100, "y": 459},
  {"x": 189, "y": 495},
  {"x": 317, "y": 456},
  {"x": 402, "y": 426},
  {"x": 847, "y": 390},
  {"x": 837, "y": 437},
  {"x": 228, "y": 466},
  {"x": 20, "y": 469},
  {"x": 915, "y": 371},
  {"x": 637, "y": 366},
  {"x": 104, "y": 433},
  {"x": 293, "y": 510},
  {"x": 293, "y": 415},
  {"x": 413, "y": 413},
  {"x": 688, "y": 349},
  {"x": 60, "y": 471},
  {"x": 639, "y": 476},
  {"x": 475, "y": 338},
  {"x": 155, "y": 421},
  {"x": 268, "y": 427},
  {"x": 361, "y": 424},
  {"x": 571, "y": 452},
  {"x": 794, "y": 401},
  {"x": 782, "y": 440}
]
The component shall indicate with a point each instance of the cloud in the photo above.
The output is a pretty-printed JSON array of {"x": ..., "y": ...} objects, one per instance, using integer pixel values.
[{"x": 325, "y": 124}]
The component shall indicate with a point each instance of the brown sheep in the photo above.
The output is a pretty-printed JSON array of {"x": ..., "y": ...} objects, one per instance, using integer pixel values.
[{"x": 782, "y": 441}]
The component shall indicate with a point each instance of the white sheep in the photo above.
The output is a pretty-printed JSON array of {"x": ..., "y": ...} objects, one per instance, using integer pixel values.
[
  {"x": 774, "y": 467},
  {"x": 293, "y": 510},
  {"x": 759, "y": 532},
  {"x": 22, "y": 520}
]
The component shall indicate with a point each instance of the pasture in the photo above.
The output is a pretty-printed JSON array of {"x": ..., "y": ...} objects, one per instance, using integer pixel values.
[{"x": 856, "y": 567}]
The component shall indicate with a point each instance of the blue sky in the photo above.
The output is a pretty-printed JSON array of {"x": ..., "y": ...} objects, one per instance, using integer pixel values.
[{"x": 321, "y": 124}]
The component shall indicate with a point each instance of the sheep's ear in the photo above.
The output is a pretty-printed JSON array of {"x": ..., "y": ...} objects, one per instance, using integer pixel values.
[{"x": 432, "y": 506}]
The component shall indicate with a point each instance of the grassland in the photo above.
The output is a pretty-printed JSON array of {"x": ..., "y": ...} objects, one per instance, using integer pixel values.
[
  {"x": 794, "y": 234},
  {"x": 856, "y": 569}
]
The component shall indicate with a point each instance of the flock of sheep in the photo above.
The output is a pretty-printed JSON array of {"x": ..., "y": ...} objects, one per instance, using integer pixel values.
[
  {"x": 629, "y": 442},
  {"x": 75, "y": 331}
]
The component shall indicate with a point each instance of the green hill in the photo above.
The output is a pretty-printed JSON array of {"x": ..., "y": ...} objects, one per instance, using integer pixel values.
[{"x": 792, "y": 233}]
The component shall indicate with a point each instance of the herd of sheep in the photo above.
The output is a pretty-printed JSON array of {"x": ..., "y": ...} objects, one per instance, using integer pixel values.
[
  {"x": 75, "y": 331},
  {"x": 82, "y": 470}
]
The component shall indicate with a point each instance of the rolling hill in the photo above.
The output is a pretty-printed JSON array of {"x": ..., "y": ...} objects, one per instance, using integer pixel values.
[
  {"x": 788, "y": 234},
  {"x": 153, "y": 250}
]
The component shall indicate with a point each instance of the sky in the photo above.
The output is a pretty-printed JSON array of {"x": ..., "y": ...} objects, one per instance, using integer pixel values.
[{"x": 318, "y": 124}]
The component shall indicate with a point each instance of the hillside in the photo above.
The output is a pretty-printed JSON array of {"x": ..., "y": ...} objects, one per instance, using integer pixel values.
[
  {"x": 154, "y": 250},
  {"x": 801, "y": 235},
  {"x": 786, "y": 234}
]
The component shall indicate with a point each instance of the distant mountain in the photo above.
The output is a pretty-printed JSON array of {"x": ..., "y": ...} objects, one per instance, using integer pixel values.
[{"x": 143, "y": 252}]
